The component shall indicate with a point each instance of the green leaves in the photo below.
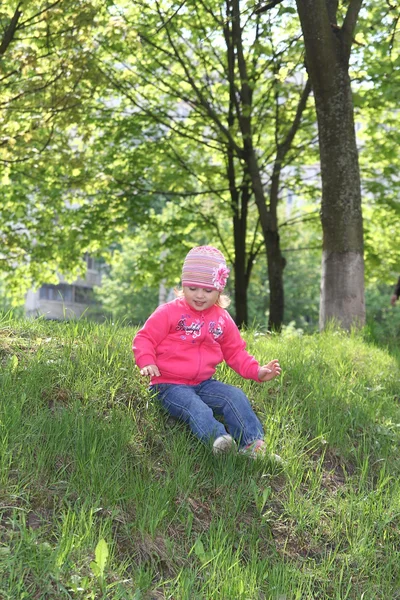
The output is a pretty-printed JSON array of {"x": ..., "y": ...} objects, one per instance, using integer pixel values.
[
  {"x": 99, "y": 564},
  {"x": 120, "y": 116}
]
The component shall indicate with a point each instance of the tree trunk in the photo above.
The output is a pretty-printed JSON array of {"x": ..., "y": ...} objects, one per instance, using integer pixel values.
[
  {"x": 268, "y": 211},
  {"x": 327, "y": 55},
  {"x": 239, "y": 205},
  {"x": 269, "y": 222},
  {"x": 276, "y": 264},
  {"x": 275, "y": 260},
  {"x": 240, "y": 288},
  {"x": 342, "y": 277},
  {"x": 239, "y": 234}
]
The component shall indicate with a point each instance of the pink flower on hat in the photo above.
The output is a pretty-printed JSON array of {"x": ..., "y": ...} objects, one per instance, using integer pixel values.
[{"x": 220, "y": 275}]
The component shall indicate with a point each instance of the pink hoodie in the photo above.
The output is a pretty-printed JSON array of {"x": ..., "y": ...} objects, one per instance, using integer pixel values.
[{"x": 187, "y": 345}]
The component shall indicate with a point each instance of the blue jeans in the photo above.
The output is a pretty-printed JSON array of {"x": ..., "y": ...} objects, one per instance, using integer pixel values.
[{"x": 196, "y": 405}]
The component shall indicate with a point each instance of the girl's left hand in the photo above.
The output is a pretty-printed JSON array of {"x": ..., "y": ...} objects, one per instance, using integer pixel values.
[{"x": 269, "y": 371}]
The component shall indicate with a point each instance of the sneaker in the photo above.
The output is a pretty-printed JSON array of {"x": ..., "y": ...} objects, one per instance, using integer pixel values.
[
  {"x": 258, "y": 449},
  {"x": 223, "y": 443},
  {"x": 255, "y": 449}
]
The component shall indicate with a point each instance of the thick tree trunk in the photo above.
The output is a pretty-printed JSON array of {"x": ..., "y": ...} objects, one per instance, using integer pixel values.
[
  {"x": 342, "y": 279},
  {"x": 327, "y": 54}
]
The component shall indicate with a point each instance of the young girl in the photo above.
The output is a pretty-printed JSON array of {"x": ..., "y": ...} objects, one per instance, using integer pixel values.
[{"x": 180, "y": 346}]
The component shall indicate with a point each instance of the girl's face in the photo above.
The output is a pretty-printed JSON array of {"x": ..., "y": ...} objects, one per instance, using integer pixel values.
[{"x": 200, "y": 298}]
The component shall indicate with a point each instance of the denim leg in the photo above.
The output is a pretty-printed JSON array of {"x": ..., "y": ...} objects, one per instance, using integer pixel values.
[
  {"x": 182, "y": 402},
  {"x": 231, "y": 402}
]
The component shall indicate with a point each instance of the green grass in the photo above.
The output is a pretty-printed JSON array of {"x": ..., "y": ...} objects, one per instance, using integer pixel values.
[{"x": 87, "y": 455}]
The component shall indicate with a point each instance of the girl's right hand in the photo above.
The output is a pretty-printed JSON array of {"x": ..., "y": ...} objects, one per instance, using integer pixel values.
[{"x": 150, "y": 371}]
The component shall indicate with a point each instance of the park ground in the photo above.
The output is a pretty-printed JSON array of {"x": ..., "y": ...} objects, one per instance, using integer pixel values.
[{"x": 103, "y": 497}]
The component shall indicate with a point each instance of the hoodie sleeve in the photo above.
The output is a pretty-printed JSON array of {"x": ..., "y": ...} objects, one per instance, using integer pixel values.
[
  {"x": 149, "y": 337},
  {"x": 235, "y": 354}
]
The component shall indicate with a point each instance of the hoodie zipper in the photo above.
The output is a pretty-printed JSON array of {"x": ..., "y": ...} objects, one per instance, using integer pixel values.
[{"x": 202, "y": 339}]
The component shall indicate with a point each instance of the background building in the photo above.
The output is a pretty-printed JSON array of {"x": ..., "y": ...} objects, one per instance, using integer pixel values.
[{"x": 65, "y": 300}]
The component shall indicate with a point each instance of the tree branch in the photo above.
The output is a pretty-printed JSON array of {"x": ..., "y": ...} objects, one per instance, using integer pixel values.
[
  {"x": 163, "y": 193},
  {"x": 301, "y": 219},
  {"x": 268, "y": 6},
  {"x": 209, "y": 109},
  {"x": 165, "y": 23},
  {"x": 157, "y": 115},
  {"x": 304, "y": 248},
  {"x": 349, "y": 24},
  {"x": 332, "y": 7},
  {"x": 287, "y": 142},
  {"x": 10, "y": 31},
  {"x": 26, "y": 158},
  {"x": 46, "y": 9}
]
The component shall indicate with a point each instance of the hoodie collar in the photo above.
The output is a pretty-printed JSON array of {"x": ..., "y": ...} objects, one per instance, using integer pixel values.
[{"x": 197, "y": 312}]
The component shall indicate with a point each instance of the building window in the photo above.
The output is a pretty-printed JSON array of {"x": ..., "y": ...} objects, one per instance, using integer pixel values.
[
  {"x": 58, "y": 293},
  {"x": 91, "y": 263},
  {"x": 84, "y": 295}
]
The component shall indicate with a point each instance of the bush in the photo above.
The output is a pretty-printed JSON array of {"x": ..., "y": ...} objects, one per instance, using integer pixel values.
[{"x": 383, "y": 319}]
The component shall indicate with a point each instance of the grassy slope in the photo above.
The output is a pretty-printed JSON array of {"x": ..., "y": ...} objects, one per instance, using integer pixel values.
[{"x": 85, "y": 455}]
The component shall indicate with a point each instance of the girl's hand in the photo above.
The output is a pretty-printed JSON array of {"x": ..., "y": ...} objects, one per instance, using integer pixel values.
[
  {"x": 269, "y": 371},
  {"x": 150, "y": 371}
]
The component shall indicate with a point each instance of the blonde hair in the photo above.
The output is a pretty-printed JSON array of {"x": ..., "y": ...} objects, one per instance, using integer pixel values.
[{"x": 223, "y": 300}]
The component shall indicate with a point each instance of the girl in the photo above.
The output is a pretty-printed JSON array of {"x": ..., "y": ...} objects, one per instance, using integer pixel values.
[{"x": 180, "y": 346}]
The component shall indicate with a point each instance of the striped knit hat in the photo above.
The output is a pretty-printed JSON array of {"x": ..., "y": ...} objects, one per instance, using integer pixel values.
[{"x": 205, "y": 267}]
